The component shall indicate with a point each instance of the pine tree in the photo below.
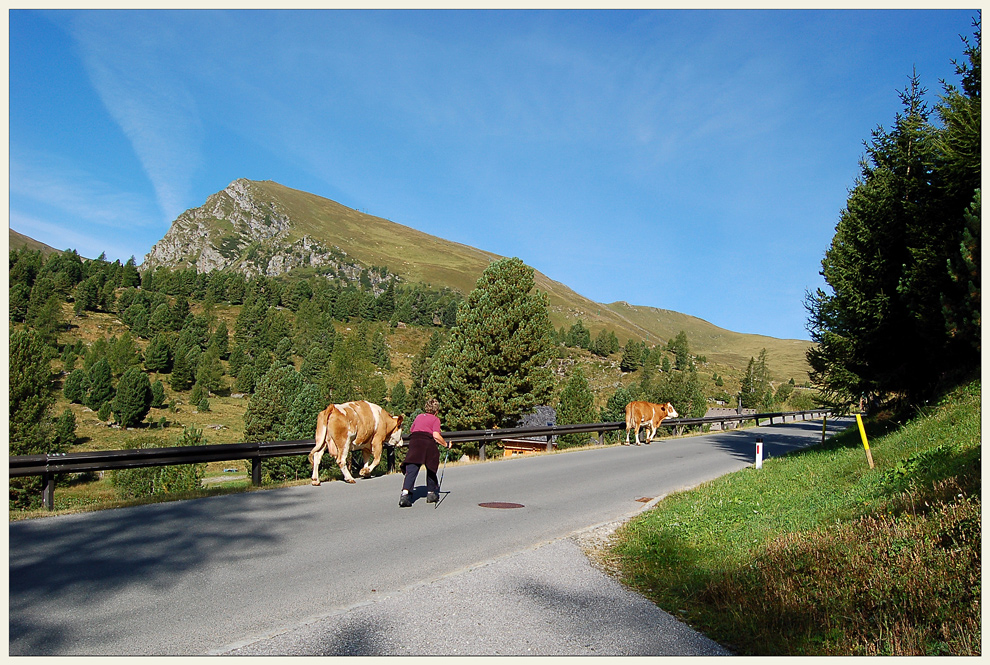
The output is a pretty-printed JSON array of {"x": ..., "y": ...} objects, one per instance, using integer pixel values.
[
  {"x": 209, "y": 373},
  {"x": 64, "y": 431},
  {"x": 299, "y": 423},
  {"x": 161, "y": 319},
  {"x": 157, "y": 395},
  {"x": 576, "y": 406},
  {"x": 76, "y": 386},
  {"x": 495, "y": 366},
  {"x": 237, "y": 360},
  {"x": 632, "y": 356},
  {"x": 30, "y": 401},
  {"x": 100, "y": 385},
  {"x": 123, "y": 354},
  {"x": 683, "y": 390},
  {"x": 182, "y": 375},
  {"x": 420, "y": 371},
  {"x": 615, "y": 408},
  {"x": 886, "y": 267},
  {"x": 130, "y": 276},
  {"x": 271, "y": 403},
  {"x": 47, "y": 320},
  {"x": 398, "y": 399},
  {"x": 283, "y": 352},
  {"x": 379, "y": 351},
  {"x": 386, "y": 302},
  {"x": 682, "y": 354},
  {"x": 158, "y": 355},
  {"x": 605, "y": 344},
  {"x": 31, "y": 387},
  {"x": 315, "y": 363},
  {"x": 349, "y": 373},
  {"x": 133, "y": 399},
  {"x": 221, "y": 339},
  {"x": 245, "y": 379},
  {"x": 178, "y": 313}
]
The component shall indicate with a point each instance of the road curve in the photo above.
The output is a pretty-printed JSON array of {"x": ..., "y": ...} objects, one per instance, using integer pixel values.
[{"x": 340, "y": 569}]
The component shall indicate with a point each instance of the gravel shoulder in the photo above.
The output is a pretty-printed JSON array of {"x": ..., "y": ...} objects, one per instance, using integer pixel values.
[{"x": 551, "y": 599}]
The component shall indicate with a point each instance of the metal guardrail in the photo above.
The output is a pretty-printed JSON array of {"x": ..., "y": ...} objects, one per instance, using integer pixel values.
[{"x": 49, "y": 465}]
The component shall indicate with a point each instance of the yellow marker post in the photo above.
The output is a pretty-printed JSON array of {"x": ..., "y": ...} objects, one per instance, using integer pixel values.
[{"x": 866, "y": 445}]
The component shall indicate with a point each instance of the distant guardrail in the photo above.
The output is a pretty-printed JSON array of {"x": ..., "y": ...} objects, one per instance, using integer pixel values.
[{"x": 49, "y": 465}]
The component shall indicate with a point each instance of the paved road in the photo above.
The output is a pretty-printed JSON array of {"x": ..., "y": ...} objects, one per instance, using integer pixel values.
[{"x": 340, "y": 569}]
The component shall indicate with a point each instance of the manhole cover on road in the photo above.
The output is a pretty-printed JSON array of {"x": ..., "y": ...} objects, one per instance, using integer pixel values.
[{"x": 501, "y": 504}]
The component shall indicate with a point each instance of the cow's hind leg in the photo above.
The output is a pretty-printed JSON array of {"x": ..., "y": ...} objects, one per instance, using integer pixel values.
[
  {"x": 315, "y": 458},
  {"x": 343, "y": 459}
]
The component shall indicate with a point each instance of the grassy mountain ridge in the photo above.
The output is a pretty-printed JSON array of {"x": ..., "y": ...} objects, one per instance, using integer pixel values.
[
  {"x": 19, "y": 240},
  {"x": 419, "y": 257}
]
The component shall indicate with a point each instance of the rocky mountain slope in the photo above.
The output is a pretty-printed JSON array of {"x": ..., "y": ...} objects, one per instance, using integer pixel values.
[{"x": 262, "y": 227}]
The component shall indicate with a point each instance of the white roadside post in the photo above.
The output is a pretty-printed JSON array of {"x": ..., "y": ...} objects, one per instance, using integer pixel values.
[{"x": 759, "y": 452}]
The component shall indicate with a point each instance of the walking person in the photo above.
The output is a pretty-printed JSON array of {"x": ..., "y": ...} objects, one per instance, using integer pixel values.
[{"x": 423, "y": 439}]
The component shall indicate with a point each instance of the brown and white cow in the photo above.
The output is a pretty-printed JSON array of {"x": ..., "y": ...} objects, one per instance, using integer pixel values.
[
  {"x": 639, "y": 414},
  {"x": 362, "y": 426}
]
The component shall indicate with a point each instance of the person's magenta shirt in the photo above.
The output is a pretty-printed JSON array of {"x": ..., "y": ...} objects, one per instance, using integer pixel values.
[{"x": 425, "y": 422}]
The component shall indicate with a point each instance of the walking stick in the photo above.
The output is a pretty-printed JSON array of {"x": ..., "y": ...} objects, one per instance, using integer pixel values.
[{"x": 440, "y": 482}]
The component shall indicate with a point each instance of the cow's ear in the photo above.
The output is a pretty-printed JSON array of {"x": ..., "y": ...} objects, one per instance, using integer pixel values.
[{"x": 398, "y": 420}]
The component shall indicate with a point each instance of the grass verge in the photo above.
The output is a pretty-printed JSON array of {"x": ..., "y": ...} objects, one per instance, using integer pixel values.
[{"x": 817, "y": 554}]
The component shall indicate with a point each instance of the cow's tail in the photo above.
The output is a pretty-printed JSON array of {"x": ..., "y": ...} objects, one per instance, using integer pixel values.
[{"x": 321, "y": 434}]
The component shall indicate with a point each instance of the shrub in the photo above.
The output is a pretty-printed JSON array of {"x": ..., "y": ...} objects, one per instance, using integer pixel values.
[
  {"x": 157, "y": 395},
  {"x": 160, "y": 480}
]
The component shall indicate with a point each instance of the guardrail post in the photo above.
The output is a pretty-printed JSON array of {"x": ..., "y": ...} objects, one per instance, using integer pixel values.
[
  {"x": 256, "y": 471},
  {"x": 48, "y": 490},
  {"x": 481, "y": 451},
  {"x": 549, "y": 443}
]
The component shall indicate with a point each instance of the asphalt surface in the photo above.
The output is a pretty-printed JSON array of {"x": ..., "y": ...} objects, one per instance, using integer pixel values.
[
  {"x": 340, "y": 569},
  {"x": 545, "y": 601}
]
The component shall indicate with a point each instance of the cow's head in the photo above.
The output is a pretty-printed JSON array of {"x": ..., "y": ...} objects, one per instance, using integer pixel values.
[
  {"x": 671, "y": 411},
  {"x": 395, "y": 438}
]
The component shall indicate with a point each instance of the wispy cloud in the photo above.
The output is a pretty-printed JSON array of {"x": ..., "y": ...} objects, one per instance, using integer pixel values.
[
  {"x": 49, "y": 181},
  {"x": 64, "y": 237},
  {"x": 132, "y": 66}
]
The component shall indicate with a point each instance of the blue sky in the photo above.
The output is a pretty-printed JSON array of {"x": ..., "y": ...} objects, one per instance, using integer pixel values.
[{"x": 689, "y": 160}]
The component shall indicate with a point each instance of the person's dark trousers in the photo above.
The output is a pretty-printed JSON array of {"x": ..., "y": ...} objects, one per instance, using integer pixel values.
[{"x": 412, "y": 470}]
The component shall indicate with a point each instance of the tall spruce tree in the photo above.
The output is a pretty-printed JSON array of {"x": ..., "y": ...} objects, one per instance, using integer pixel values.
[
  {"x": 889, "y": 264},
  {"x": 100, "y": 385},
  {"x": 576, "y": 406},
  {"x": 132, "y": 401},
  {"x": 271, "y": 404},
  {"x": 31, "y": 393},
  {"x": 495, "y": 366},
  {"x": 30, "y": 401}
]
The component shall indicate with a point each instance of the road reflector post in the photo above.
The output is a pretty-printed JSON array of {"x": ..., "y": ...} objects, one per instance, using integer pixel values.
[
  {"x": 759, "y": 452},
  {"x": 824, "y": 425},
  {"x": 866, "y": 444}
]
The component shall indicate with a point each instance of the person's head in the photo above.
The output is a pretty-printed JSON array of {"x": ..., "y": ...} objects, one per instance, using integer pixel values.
[{"x": 431, "y": 406}]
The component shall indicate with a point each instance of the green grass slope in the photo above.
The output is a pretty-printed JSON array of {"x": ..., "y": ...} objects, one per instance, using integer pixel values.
[
  {"x": 19, "y": 240},
  {"x": 420, "y": 257},
  {"x": 817, "y": 554}
]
